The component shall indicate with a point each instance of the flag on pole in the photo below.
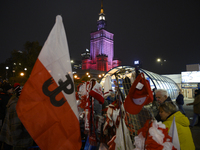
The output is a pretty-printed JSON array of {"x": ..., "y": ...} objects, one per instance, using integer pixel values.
[
  {"x": 174, "y": 134},
  {"x": 47, "y": 104}
]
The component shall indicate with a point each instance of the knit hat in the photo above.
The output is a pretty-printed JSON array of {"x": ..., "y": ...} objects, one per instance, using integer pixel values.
[
  {"x": 140, "y": 94},
  {"x": 16, "y": 84}
]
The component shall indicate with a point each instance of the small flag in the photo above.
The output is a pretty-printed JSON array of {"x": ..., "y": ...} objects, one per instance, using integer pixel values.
[
  {"x": 174, "y": 134},
  {"x": 47, "y": 104}
]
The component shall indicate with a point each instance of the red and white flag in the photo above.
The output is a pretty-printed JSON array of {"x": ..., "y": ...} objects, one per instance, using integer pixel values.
[
  {"x": 47, "y": 104},
  {"x": 174, "y": 134}
]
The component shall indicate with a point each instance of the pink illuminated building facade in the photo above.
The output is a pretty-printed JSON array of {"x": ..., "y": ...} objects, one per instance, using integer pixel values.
[{"x": 101, "y": 48}]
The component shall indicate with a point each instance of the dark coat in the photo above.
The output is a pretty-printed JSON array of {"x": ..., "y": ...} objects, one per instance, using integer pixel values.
[
  {"x": 13, "y": 132},
  {"x": 179, "y": 99},
  {"x": 4, "y": 98}
]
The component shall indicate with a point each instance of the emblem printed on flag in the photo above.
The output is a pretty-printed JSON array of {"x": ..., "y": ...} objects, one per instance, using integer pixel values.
[
  {"x": 62, "y": 87},
  {"x": 47, "y": 104}
]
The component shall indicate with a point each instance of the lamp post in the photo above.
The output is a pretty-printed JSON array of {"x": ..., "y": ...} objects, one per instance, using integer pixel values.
[
  {"x": 159, "y": 60},
  {"x": 7, "y": 72},
  {"x": 161, "y": 63}
]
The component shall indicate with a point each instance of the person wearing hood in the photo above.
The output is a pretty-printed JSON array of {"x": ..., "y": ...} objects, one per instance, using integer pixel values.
[
  {"x": 167, "y": 112},
  {"x": 196, "y": 108},
  {"x": 13, "y": 133}
]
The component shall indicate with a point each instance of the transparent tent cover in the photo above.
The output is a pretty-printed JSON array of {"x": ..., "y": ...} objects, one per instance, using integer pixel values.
[{"x": 156, "y": 81}]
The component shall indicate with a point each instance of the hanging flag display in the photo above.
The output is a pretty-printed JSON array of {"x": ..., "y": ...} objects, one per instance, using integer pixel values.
[
  {"x": 47, "y": 105},
  {"x": 140, "y": 94}
]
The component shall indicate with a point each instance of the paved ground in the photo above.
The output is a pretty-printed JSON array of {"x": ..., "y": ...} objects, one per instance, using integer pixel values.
[{"x": 196, "y": 129}]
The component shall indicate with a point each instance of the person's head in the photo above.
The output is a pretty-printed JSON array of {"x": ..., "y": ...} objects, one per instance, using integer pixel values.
[
  {"x": 196, "y": 92},
  {"x": 161, "y": 95},
  {"x": 166, "y": 109},
  {"x": 8, "y": 88}
]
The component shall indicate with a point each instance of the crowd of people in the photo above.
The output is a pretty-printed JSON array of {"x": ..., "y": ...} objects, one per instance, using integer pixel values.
[
  {"x": 168, "y": 110},
  {"x": 14, "y": 136}
]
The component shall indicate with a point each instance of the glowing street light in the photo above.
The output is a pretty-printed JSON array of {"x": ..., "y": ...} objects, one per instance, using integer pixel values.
[
  {"x": 158, "y": 60},
  {"x": 75, "y": 76},
  {"x": 136, "y": 62},
  {"x": 22, "y": 74},
  {"x": 6, "y": 72}
]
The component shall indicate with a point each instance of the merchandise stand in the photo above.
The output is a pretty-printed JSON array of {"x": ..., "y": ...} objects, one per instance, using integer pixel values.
[{"x": 133, "y": 122}]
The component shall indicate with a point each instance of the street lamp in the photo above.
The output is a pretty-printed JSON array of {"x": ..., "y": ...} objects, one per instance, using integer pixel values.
[
  {"x": 7, "y": 72},
  {"x": 75, "y": 76},
  {"x": 161, "y": 61},
  {"x": 22, "y": 74},
  {"x": 158, "y": 60}
]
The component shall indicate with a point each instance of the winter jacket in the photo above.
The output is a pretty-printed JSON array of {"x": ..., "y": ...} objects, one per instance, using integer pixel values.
[
  {"x": 179, "y": 99},
  {"x": 196, "y": 104},
  {"x": 184, "y": 133},
  {"x": 4, "y": 98},
  {"x": 13, "y": 132}
]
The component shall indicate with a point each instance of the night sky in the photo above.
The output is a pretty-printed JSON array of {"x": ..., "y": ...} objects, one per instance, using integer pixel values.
[{"x": 143, "y": 29}]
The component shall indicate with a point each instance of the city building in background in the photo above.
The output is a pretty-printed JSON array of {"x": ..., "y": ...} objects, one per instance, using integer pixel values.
[
  {"x": 101, "y": 48},
  {"x": 186, "y": 82}
]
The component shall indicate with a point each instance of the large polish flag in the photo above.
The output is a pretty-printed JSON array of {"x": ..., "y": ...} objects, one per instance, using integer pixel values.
[{"x": 47, "y": 104}]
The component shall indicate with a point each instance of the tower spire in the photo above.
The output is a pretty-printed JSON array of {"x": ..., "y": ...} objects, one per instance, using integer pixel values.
[
  {"x": 101, "y": 12},
  {"x": 101, "y": 23}
]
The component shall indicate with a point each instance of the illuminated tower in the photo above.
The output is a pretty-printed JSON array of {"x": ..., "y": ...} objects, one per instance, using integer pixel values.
[
  {"x": 101, "y": 47},
  {"x": 101, "y": 42}
]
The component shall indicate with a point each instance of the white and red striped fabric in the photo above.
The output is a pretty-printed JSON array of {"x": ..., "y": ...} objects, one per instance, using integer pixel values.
[{"x": 47, "y": 105}]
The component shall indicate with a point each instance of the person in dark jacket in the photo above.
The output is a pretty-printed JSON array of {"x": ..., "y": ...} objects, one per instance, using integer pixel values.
[
  {"x": 161, "y": 97},
  {"x": 13, "y": 133},
  {"x": 196, "y": 109},
  {"x": 5, "y": 95},
  {"x": 180, "y": 102}
]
